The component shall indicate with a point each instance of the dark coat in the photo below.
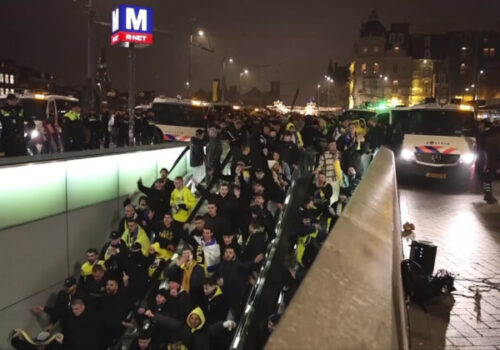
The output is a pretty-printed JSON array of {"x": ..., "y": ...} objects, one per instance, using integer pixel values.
[
  {"x": 159, "y": 200},
  {"x": 197, "y": 153},
  {"x": 80, "y": 333}
]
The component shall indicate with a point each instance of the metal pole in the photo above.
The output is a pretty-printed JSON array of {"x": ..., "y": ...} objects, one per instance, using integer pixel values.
[
  {"x": 328, "y": 83},
  {"x": 478, "y": 85},
  {"x": 131, "y": 91},
  {"x": 90, "y": 38},
  {"x": 189, "y": 61},
  {"x": 223, "y": 82}
]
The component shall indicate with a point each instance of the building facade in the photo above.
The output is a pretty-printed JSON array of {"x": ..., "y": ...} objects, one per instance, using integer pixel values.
[{"x": 403, "y": 68}]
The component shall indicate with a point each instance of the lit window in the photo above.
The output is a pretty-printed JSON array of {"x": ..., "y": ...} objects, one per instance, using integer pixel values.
[
  {"x": 492, "y": 51},
  {"x": 486, "y": 51},
  {"x": 1, "y": 77},
  {"x": 12, "y": 79},
  {"x": 2, "y": 91},
  {"x": 376, "y": 68},
  {"x": 365, "y": 49},
  {"x": 395, "y": 82},
  {"x": 375, "y": 49},
  {"x": 396, "y": 48},
  {"x": 363, "y": 68}
]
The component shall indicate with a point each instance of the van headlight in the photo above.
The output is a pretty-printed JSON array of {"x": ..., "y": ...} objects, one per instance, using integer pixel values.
[
  {"x": 34, "y": 134},
  {"x": 467, "y": 158},
  {"x": 407, "y": 154}
]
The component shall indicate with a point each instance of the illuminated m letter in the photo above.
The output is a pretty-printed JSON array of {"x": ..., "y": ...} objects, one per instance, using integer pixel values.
[
  {"x": 136, "y": 23},
  {"x": 115, "y": 20}
]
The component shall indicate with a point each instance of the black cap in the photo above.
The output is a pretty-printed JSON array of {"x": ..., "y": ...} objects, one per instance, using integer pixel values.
[
  {"x": 145, "y": 334},
  {"x": 70, "y": 281},
  {"x": 11, "y": 97},
  {"x": 259, "y": 170},
  {"x": 163, "y": 292},
  {"x": 175, "y": 276},
  {"x": 199, "y": 131},
  {"x": 114, "y": 235}
]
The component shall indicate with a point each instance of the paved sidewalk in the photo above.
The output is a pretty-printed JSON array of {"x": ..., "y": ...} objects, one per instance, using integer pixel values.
[{"x": 467, "y": 233}]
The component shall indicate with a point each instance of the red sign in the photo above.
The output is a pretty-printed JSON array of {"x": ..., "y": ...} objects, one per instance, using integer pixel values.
[{"x": 131, "y": 37}]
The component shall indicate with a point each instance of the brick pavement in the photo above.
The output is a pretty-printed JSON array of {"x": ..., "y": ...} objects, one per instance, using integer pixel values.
[{"x": 467, "y": 233}]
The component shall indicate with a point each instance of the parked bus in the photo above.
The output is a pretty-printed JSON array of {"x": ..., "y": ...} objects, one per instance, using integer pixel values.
[{"x": 178, "y": 119}]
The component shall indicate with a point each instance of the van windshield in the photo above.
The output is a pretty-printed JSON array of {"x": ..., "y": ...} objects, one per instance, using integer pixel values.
[
  {"x": 442, "y": 122},
  {"x": 36, "y": 109}
]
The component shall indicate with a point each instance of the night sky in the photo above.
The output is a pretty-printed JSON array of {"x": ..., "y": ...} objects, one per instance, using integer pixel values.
[{"x": 286, "y": 40}]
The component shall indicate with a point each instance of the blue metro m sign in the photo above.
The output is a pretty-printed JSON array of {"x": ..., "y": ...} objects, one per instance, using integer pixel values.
[{"x": 132, "y": 24}]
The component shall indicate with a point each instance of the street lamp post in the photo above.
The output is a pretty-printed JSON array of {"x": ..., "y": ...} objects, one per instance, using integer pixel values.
[
  {"x": 319, "y": 90},
  {"x": 200, "y": 33},
  {"x": 223, "y": 82},
  {"x": 478, "y": 82},
  {"x": 242, "y": 74},
  {"x": 329, "y": 80}
]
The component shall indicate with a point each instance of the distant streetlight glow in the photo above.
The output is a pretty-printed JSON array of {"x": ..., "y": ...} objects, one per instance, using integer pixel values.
[
  {"x": 230, "y": 60},
  {"x": 187, "y": 83},
  {"x": 201, "y": 33},
  {"x": 481, "y": 72}
]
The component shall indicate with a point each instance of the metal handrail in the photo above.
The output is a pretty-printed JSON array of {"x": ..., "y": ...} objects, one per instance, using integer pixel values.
[{"x": 277, "y": 247}]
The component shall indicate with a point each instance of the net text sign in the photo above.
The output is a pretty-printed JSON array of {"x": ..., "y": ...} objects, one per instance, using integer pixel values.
[{"x": 132, "y": 24}]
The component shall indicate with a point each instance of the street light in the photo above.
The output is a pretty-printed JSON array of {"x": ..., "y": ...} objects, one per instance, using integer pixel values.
[
  {"x": 319, "y": 90},
  {"x": 223, "y": 82},
  {"x": 201, "y": 34},
  {"x": 329, "y": 80},
  {"x": 242, "y": 74}
]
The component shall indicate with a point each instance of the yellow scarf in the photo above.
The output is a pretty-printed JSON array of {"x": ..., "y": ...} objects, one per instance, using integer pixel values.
[{"x": 188, "y": 268}]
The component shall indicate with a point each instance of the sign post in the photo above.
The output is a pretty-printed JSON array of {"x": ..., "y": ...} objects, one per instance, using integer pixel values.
[{"x": 132, "y": 27}]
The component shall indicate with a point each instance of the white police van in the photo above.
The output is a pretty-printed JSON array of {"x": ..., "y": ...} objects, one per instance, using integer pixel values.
[
  {"x": 438, "y": 142},
  {"x": 47, "y": 111}
]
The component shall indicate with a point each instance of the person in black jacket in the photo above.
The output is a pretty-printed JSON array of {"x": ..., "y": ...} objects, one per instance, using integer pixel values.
[
  {"x": 80, "y": 328},
  {"x": 195, "y": 333},
  {"x": 272, "y": 190},
  {"x": 12, "y": 119},
  {"x": 197, "y": 156},
  {"x": 115, "y": 254},
  {"x": 288, "y": 150},
  {"x": 260, "y": 214},
  {"x": 95, "y": 287},
  {"x": 232, "y": 276},
  {"x": 137, "y": 270},
  {"x": 61, "y": 307},
  {"x": 168, "y": 233},
  {"x": 214, "y": 305},
  {"x": 158, "y": 198},
  {"x": 219, "y": 224},
  {"x": 114, "y": 308},
  {"x": 224, "y": 200}
]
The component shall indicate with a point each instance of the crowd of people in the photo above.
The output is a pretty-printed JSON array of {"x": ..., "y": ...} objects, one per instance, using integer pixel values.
[{"x": 207, "y": 262}]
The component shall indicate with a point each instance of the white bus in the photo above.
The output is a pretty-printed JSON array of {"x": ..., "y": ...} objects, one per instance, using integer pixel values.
[{"x": 178, "y": 119}]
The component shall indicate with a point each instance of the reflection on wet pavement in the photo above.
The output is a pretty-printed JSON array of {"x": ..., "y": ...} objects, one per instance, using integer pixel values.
[{"x": 467, "y": 233}]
